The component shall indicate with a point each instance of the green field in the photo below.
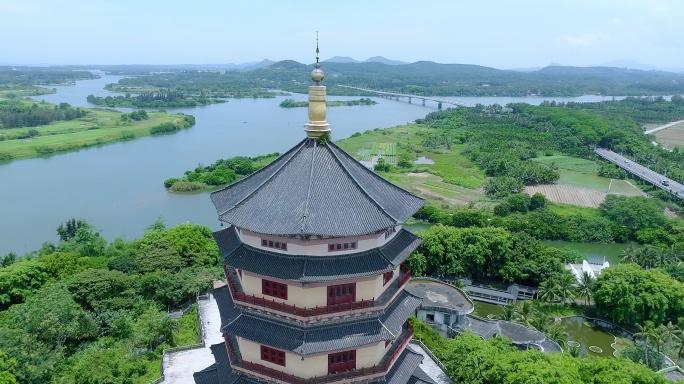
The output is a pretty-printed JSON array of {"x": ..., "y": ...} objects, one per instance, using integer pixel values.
[
  {"x": 567, "y": 163},
  {"x": 453, "y": 179},
  {"x": 96, "y": 128},
  {"x": 671, "y": 137}
]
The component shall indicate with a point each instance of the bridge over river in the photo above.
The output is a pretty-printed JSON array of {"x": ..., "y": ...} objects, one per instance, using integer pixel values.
[
  {"x": 644, "y": 173},
  {"x": 396, "y": 96}
]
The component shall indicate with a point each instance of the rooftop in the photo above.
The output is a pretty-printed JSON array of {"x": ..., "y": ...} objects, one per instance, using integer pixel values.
[
  {"x": 315, "y": 190},
  {"x": 440, "y": 296}
]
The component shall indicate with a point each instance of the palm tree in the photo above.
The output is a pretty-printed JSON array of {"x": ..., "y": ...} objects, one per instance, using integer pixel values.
[
  {"x": 585, "y": 287},
  {"x": 540, "y": 322},
  {"x": 646, "y": 333},
  {"x": 548, "y": 291},
  {"x": 525, "y": 312},
  {"x": 509, "y": 313},
  {"x": 629, "y": 254},
  {"x": 557, "y": 334},
  {"x": 566, "y": 283},
  {"x": 660, "y": 336},
  {"x": 678, "y": 336}
]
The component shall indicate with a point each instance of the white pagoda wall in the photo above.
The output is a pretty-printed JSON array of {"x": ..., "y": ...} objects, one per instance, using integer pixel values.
[
  {"x": 314, "y": 365},
  {"x": 317, "y": 247},
  {"x": 314, "y": 295}
]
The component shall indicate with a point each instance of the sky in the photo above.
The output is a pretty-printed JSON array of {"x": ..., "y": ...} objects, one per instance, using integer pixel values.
[{"x": 495, "y": 33}]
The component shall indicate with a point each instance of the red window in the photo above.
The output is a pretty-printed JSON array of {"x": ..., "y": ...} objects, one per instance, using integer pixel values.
[
  {"x": 341, "y": 361},
  {"x": 386, "y": 277},
  {"x": 341, "y": 294},
  {"x": 272, "y": 355},
  {"x": 275, "y": 289},
  {"x": 274, "y": 244},
  {"x": 342, "y": 246}
]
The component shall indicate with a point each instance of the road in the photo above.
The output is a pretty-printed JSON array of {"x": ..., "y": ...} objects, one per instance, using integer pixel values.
[{"x": 642, "y": 172}]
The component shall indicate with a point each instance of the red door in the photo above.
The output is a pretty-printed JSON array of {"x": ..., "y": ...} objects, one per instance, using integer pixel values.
[
  {"x": 341, "y": 361},
  {"x": 340, "y": 294}
]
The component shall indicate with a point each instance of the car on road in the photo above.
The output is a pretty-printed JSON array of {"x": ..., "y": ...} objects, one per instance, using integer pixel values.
[{"x": 664, "y": 182}]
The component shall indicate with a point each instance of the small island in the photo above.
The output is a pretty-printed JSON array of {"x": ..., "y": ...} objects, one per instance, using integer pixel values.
[
  {"x": 222, "y": 172},
  {"x": 291, "y": 103},
  {"x": 161, "y": 99}
]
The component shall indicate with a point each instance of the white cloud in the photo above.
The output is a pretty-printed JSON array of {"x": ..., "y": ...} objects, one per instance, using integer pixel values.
[{"x": 586, "y": 39}]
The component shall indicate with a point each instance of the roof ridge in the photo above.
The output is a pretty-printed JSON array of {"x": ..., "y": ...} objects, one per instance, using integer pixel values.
[
  {"x": 308, "y": 191},
  {"x": 358, "y": 184},
  {"x": 247, "y": 196}
]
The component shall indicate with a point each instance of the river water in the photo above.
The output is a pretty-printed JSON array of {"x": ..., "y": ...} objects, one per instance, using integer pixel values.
[{"x": 118, "y": 188}]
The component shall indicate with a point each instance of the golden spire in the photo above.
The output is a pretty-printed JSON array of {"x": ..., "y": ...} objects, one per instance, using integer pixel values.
[{"x": 317, "y": 125}]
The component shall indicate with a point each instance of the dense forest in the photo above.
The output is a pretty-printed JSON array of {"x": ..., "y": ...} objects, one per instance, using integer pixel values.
[
  {"x": 22, "y": 77},
  {"x": 504, "y": 141},
  {"x": 84, "y": 311},
  {"x": 420, "y": 78},
  {"x": 162, "y": 99},
  {"x": 15, "y": 114},
  {"x": 291, "y": 103}
]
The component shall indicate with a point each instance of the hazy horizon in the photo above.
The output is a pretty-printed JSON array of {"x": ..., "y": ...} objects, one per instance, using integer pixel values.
[{"x": 493, "y": 33}]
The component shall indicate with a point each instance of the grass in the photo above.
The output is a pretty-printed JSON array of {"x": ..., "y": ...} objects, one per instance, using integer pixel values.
[
  {"x": 583, "y": 180},
  {"x": 568, "y": 163},
  {"x": 188, "y": 328},
  {"x": 568, "y": 210},
  {"x": 671, "y": 137},
  {"x": 622, "y": 187},
  {"x": 96, "y": 128},
  {"x": 621, "y": 343},
  {"x": 558, "y": 309},
  {"x": 453, "y": 176}
]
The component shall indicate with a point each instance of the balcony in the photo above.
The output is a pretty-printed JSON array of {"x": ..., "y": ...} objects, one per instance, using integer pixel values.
[
  {"x": 240, "y": 297},
  {"x": 357, "y": 375}
]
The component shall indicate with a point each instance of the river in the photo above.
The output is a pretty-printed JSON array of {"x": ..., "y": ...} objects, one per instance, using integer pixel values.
[{"x": 118, "y": 188}]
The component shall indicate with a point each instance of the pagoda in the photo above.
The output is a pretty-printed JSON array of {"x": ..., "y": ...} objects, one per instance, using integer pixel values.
[{"x": 313, "y": 256}]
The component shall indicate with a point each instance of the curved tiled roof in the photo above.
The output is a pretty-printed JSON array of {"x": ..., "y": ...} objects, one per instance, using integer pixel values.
[
  {"x": 325, "y": 337},
  {"x": 314, "y": 268},
  {"x": 315, "y": 189}
]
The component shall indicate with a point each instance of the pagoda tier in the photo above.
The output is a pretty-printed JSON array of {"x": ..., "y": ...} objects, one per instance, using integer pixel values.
[
  {"x": 303, "y": 268},
  {"x": 345, "y": 333},
  {"x": 315, "y": 190},
  {"x": 405, "y": 370}
]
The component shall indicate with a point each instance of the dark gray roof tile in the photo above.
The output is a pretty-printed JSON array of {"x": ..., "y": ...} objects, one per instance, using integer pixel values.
[
  {"x": 315, "y": 268},
  {"x": 407, "y": 362},
  {"x": 315, "y": 189},
  {"x": 306, "y": 340},
  {"x": 401, "y": 308}
]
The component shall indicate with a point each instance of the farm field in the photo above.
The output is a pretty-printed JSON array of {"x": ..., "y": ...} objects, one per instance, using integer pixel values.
[
  {"x": 671, "y": 137},
  {"x": 568, "y": 194}
]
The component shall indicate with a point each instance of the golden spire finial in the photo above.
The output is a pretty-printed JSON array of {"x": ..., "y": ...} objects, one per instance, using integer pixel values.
[{"x": 317, "y": 125}]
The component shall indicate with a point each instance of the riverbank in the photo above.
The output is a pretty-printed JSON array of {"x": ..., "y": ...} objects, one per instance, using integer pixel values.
[{"x": 97, "y": 127}]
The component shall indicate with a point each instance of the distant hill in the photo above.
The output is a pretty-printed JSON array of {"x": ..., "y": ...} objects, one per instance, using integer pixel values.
[
  {"x": 341, "y": 59},
  {"x": 627, "y": 63},
  {"x": 253, "y": 65},
  {"x": 380, "y": 59}
]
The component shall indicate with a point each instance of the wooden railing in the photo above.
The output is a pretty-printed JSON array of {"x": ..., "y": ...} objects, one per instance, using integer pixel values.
[
  {"x": 332, "y": 377},
  {"x": 244, "y": 298},
  {"x": 406, "y": 276}
]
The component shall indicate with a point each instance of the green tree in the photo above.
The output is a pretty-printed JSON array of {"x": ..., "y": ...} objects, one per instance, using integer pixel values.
[
  {"x": 20, "y": 280},
  {"x": 627, "y": 294},
  {"x": 634, "y": 212},
  {"x": 7, "y": 367},
  {"x": 54, "y": 317},
  {"x": 585, "y": 287},
  {"x": 100, "y": 289}
]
